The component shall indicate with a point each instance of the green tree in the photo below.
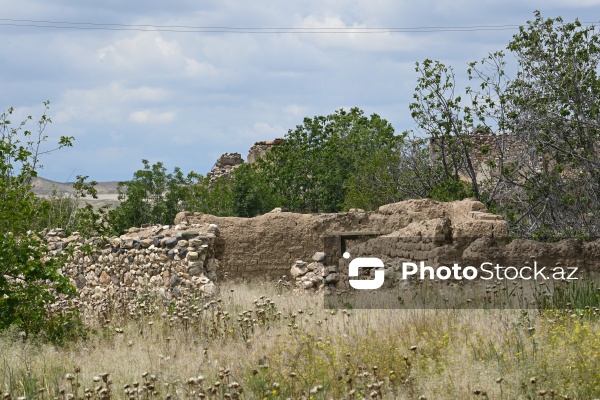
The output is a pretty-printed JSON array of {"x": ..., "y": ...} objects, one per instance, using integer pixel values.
[
  {"x": 253, "y": 193},
  {"x": 554, "y": 108},
  {"x": 311, "y": 169},
  {"x": 153, "y": 196},
  {"x": 401, "y": 172},
  {"x": 543, "y": 171},
  {"x": 216, "y": 198},
  {"x": 441, "y": 116},
  {"x": 30, "y": 282}
]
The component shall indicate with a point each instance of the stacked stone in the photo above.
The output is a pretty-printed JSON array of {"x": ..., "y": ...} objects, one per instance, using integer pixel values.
[
  {"x": 225, "y": 166},
  {"x": 160, "y": 261},
  {"x": 314, "y": 276}
]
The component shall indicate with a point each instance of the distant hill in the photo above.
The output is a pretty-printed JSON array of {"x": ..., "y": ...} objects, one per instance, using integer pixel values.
[{"x": 107, "y": 191}]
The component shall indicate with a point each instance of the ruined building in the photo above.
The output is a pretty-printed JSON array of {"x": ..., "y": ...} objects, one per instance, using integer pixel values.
[{"x": 230, "y": 161}]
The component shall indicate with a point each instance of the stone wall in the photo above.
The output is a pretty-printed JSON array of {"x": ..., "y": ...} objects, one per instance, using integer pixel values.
[
  {"x": 225, "y": 166},
  {"x": 266, "y": 246},
  {"x": 230, "y": 161},
  {"x": 259, "y": 149},
  {"x": 162, "y": 261}
]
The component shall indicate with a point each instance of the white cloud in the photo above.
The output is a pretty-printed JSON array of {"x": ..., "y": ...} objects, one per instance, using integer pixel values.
[
  {"x": 195, "y": 68},
  {"x": 296, "y": 110},
  {"x": 261, "y": 131},
  {"x": 354, "y": 39},
  {"x": 148, "y": 116},
  {"x": 105, "y": 104},
  {"x": 149, "y": 53},
  {"x": 144, "y": 49}
]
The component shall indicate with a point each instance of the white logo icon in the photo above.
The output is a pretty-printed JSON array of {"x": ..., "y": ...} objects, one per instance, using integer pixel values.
[{"x": 365, "y": 262}]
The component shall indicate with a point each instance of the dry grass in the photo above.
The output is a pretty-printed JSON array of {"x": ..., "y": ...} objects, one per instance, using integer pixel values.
[{"x": 259, "y": 342}]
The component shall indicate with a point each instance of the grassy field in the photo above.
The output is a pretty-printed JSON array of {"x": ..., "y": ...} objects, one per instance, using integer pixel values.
[{"x": 258, "y": 341}]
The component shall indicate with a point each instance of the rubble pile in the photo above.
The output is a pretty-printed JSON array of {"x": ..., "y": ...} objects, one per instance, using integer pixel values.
[{"x": 225, "y": 166}]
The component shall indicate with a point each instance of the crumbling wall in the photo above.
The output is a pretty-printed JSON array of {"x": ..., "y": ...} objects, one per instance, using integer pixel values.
[
  {"x": 225, "y": 166},
  {"x": 159, "y": 261},
  {"x": 259, "y": 149},
  {"x": 266, "y": 246},
  {"x": 439, "y": 242}
]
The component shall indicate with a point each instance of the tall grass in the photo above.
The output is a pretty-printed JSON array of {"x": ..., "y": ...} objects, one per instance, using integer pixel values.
[{"x": 257, "y": 341}]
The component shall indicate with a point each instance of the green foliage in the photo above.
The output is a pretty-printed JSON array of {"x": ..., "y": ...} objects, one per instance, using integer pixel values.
[
  {"x": 441, "y": 115},
  {"x": 200, "y": 195},
  {"x": 29, "y": 284},
  {"x": 311, "y": 169},
  {"x": 450, "y": 190},
  {"x": 375, "y": 182},
  {"x": 404, "y": 171},
  {"x": 29, "y": 281},
  {"x": 153, "y": 196},
  {"x": 554, "y": 107},
  {"x": 253, "y": 193},
  {"x": 547, "y": 180}
]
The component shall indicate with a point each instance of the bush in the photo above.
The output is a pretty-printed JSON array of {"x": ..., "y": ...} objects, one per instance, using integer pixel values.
[{"x": 30, "y": 281}]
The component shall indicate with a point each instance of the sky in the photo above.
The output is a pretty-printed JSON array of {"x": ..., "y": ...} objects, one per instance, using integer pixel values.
[{"x": 130, "y": 83}]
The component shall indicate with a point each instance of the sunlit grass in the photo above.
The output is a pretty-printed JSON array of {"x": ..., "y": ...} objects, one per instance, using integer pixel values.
[{"x": 257, "y": 341}]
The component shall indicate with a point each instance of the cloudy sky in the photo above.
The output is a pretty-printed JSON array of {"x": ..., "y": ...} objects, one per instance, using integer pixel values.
[{"x": 153, "y": 79}]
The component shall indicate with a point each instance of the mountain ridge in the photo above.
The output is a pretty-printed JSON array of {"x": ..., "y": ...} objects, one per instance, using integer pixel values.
[{"x": 107, "y": 191}]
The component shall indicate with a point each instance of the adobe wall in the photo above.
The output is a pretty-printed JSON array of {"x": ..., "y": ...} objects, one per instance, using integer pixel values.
[
  {"x": 439, "y": 242},
  {"x": 469, "y": 241},
  {"x": 436, "y": 248},
  {"x": 266, "y": 246}
]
